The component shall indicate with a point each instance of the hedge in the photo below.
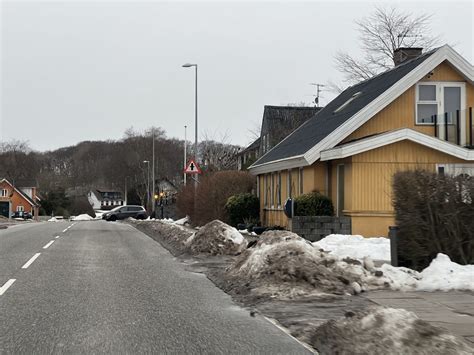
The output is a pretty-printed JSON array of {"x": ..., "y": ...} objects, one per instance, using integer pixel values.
[{"x": 435, "y": 214}]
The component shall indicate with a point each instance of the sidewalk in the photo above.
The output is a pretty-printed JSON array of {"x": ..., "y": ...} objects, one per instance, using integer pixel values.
[{"x": 452, "y": 310}]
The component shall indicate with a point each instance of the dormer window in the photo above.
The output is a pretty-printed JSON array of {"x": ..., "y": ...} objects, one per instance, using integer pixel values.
[
  {"x": 438, "y": 98},
  {"x": 426, "y": 103},
  {"x": 344, "y": 105}
]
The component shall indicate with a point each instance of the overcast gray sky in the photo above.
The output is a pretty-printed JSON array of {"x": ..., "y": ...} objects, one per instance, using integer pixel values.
[{"x": 81, "y": 70}]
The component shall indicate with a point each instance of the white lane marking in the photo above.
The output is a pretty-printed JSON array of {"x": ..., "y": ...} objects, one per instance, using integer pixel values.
[
  {"x": 57, "y": 237},
  {"x": 48, "y": 245},
  {"x": 29, "y": 262},
  {"x": 64, "y": 231},
  {"x": 5, "y": 287}
]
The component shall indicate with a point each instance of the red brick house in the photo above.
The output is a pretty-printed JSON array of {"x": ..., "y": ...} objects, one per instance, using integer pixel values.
[{"x": 14, "y": 198}]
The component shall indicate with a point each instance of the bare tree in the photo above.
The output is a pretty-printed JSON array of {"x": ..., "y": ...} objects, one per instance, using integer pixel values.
[
  {"x": 380, "y": 34},
  {"x": 218, "y": 154}
]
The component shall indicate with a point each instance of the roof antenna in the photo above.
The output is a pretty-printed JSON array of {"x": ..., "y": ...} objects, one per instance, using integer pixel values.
[{"x": 318, "y": 91}]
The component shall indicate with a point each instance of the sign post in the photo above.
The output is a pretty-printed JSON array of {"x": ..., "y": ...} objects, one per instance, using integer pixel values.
[{"x": 192, "y": 168}]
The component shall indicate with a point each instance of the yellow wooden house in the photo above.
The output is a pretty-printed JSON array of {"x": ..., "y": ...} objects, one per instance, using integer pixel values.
[{"x": 417, "y": 115}]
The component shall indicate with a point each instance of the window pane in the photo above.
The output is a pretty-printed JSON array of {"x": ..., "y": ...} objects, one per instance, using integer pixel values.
[
  {"x": 452, "y": 99},
  {"x": 425, "y": 111},
  {"x": 427, "y": 92}
]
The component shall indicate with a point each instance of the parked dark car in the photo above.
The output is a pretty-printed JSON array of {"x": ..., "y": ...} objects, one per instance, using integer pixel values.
[
  {"x": 122, "y": 212},
  {"x": 22, "y": 214}
]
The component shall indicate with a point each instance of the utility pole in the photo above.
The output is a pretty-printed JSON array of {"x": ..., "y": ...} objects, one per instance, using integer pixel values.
[
  {"x": 148, "y": 197},
  {"x": 184, "y": 155},
  {"x": 153, "y": 172},
  {"x": 125, "y": 194},
  {"x": 318, "y": 91}
]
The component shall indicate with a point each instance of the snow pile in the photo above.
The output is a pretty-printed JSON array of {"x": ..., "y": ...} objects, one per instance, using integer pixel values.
[
  {"x": 380, "y": 330},
  {"x": 355, "y": 246},
  {"x": 82, "y": 217},
  {"x": 282, "y": 264},
  {"x": 171, "y": 234},
  {"x": 53, "y": 219},
  {"x": 441, "y": 275},
  {"x": 182, "y": 221},
  {"x": 98, "y": 215},
  {"x": 216, "y": 238}
]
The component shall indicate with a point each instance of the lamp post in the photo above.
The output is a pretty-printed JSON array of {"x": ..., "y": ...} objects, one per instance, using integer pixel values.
[
  {"x": 184, "y": 164},
  {"x": 147, "y": 162},
  {"x": 188, "y": 65},
  {"x": 153, "y": 198}
]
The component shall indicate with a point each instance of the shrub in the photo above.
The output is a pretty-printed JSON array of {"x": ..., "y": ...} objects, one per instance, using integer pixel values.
[
  {"x": 313, "y": 204},
  {"x": 242, "y": 208},
  {"x": 212, "y": 194},
  {"x": 435, "y": 214}
]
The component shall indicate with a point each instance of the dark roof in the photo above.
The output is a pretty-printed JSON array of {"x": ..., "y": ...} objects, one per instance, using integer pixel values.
[
  {"x": 101, "y": 194},
  {"x": 253, "y": 146},
  {"x": 326, "y": 121},
  {"x": 26, "y": 183},
  {"x": 280, "y": 121},
  {"x": 28, "y": 198}
]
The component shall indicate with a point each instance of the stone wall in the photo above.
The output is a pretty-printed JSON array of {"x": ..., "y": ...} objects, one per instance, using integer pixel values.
[{"x": 315, "y": 228}]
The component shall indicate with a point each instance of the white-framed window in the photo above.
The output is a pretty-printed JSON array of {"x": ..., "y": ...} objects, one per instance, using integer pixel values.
[
  {"x": 20, "y": 208},
  {"x": 3, "y": 193},
  {"x": 345, "y": 104},
  {"x": 437, "y": 98},
  {"x": 456, "y": 169}
]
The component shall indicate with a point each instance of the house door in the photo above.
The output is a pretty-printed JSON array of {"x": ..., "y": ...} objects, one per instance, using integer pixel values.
[
  {"x": 340, "y": 190},
  {"x": 4, "y": 209}
]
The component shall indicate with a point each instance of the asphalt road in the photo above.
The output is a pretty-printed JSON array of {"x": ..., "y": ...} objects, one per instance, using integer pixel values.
[{"x": 107, "y": 288}]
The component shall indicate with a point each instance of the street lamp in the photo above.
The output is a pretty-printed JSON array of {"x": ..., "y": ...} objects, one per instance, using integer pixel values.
[
  {"x": 184, "y": 164},
  {"x": 147, "y": 162},
  {"x": 189, "y": 65}
]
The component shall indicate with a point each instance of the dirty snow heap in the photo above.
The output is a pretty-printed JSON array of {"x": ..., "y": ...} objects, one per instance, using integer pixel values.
[
  {"x": 216, "y": 238},
  {"x": 380, "y": 330},
  {"x": 283, "y": 265}
]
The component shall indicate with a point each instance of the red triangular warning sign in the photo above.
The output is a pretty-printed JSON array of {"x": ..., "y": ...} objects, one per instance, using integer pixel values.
[{"x": 192, "y": 168}]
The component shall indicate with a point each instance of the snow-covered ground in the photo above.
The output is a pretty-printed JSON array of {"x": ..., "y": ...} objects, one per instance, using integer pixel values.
[
  {"x": 442, "y": 274},
  {"x": 182, "y": 221},
  {"x": 82, "y": 217},
  {"x": 355, "y": 246}
]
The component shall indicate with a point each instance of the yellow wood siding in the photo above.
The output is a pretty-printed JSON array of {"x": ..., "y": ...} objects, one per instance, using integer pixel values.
[
  {"x": 401, "y": 112},
  {"x": 444, "y": 72},
  {"x": 370, "y": 194}
]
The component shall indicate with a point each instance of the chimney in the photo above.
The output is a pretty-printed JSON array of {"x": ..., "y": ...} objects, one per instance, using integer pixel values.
[{"x": 401, "y": 55}]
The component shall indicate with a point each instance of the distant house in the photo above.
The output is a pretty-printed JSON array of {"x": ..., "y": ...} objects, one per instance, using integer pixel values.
[
  {"x": 417, "y": 115},
  {"x": 19, "y": 197},
  {"x": 277, "y": 123},
  {"x": 166, "y": 186},
  {"x": 249, "y": 155},
  {"x": 105, "y": 199}
]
